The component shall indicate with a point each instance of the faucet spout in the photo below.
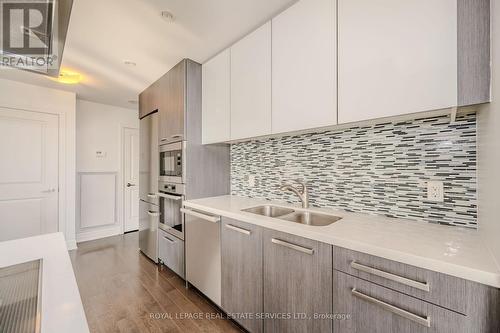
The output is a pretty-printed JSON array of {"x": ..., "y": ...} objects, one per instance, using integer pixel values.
[{"x": 303, "y": 193}]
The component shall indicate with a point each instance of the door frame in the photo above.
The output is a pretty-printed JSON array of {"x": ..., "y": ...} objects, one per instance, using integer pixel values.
[{"x": 121, "y": 178}]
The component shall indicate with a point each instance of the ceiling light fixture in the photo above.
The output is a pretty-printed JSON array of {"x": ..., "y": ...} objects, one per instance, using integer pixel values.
[
  {"x": 133, "y": 102},
  {"x": 129, "y": 63},
  {"x": 68, "y": 77},
  {"x": 167, "y": 16}
]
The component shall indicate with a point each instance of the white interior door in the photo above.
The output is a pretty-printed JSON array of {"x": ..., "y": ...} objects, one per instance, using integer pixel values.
[
  {"x": 131, "y": 177},
  {"x": 29, "y": 187}
]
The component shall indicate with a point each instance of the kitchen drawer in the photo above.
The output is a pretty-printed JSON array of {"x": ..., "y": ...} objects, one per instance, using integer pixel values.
[
  {"x": 376, "y": 309},
  {"x": 171, "y": 252},
  {"x": 441, "y": 289}
]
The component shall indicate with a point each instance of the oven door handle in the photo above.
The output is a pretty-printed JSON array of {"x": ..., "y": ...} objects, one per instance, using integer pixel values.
[{"x": 169, "y": 196}]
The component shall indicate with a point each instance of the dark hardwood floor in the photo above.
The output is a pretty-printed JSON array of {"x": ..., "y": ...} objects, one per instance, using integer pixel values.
[{"x": 123, "y": 291}]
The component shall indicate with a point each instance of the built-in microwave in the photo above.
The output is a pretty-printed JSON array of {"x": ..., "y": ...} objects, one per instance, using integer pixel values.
[{"x": 172, "y": 162}]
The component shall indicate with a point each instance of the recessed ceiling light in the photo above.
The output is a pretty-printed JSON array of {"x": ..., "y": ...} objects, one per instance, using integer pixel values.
[
  {"x": 129, "y": 63},
  {"x": 168, "y": 16},
  {"x": 68, "y": 77}
]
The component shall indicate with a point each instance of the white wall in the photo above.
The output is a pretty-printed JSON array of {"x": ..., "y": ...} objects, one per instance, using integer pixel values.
[
  {"x": 16, "y": 95},
  {"x": 489, "y": 149},
  {"x": 99, "y": 179}
]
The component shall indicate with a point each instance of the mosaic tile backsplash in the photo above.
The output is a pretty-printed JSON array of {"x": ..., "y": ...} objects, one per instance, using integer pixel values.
[{"x": 379, "y": 169}]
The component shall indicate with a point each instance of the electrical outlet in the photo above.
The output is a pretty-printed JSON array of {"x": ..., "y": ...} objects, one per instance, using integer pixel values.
[
  {"x": 251, "y": 180},
  {"x": 435, "y": 191}
]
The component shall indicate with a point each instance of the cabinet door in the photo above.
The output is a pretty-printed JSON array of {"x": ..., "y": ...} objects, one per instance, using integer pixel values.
[
  {"x": 396, "y": 57},
  {"x": 297, "y": 283},
  {"x": 172, "y": 104},
  {"x": 375, "y": 309},
  {"x": 251, "y": 85},
  {"x": 241, "y": 246},
  {"x": 171, "y": 252},
  {"x": 149, "y": 100},
  {"x": 216, "y": 98},
  {"x": 304, "y": 89}
]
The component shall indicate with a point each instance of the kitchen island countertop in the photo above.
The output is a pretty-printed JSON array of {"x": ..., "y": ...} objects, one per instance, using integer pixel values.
[{"x": 61, "y": 305}]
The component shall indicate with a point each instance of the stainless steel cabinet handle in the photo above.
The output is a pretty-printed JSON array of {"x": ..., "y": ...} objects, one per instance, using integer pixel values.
[
  {"x": 168, "y": 196},
  {"x": 396, "y": 278},
  {"x": 153, "y": 214},
  {"x": 163, "y": 139},
  {"x": 240, "y": 230},
  {"x": 152, "y": 196},
  {"x": 425, "y": 321},
  {"x": 130, "y": 184},
  {"x": 293, "y": 246},
  {"x": 169, "y": 240},
  {"x": 176, "y": 136},
  {"x": 213, "y": 219},
  {"x": 50, "y": 190}
]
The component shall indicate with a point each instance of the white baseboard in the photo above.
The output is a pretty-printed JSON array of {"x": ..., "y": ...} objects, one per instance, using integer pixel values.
[
  {"x": 71, "y": 244},
  {"x": 97, "y": 234}
]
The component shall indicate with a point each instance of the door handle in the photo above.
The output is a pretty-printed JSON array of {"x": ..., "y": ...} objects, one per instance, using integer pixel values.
[{"x": 130, "y": 184}]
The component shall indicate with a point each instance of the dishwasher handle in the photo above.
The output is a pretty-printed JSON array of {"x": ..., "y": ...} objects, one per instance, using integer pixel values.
[{"x": 210, "y": 218}]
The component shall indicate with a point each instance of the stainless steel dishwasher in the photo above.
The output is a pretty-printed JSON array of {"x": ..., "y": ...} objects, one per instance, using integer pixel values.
[{"x": 203, "y": 256}]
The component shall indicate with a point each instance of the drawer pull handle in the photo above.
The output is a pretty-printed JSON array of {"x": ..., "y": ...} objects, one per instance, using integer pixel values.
[
  {"x": 153, "y": 214},
  {"x": 152, "y": 196},
  {"x": 213, "y": 219},
  {"x": 396, "y": 278},
  {"x": 240, "y": 230},
  {"x": 293, "y": 246},
  {"x": 424, "y": 321},
  {"x": 169, "y": 240}
]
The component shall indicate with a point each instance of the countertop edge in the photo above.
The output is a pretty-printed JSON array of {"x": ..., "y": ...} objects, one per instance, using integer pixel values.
[{"x": 467, "y": 273}]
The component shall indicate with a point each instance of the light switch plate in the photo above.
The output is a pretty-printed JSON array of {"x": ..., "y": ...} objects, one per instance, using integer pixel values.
[
  {"x": 435, "y": 191},
  {"x": 100, "y": 154}
]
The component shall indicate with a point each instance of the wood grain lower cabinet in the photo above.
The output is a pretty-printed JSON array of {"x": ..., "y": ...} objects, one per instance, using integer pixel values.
[
  {"x": 241, "y": 248},
  {"x": 297, "y": 283},
  {"x": 375, "y": 309}
]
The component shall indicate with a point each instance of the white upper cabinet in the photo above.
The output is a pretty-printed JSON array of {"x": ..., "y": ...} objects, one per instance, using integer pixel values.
[
  {"x": 396, "y": 57},
  {"x": 217, "y": 98},
  {"x": 304, "y": 73},
  {"x": 251, "y": 85}
]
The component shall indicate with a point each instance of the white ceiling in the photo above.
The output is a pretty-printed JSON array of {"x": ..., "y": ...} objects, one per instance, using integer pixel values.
[{"x": 104, "y": 33}]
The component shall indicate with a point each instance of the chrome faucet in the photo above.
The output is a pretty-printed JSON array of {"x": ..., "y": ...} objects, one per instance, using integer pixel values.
[{"x": 303, "y": 193}]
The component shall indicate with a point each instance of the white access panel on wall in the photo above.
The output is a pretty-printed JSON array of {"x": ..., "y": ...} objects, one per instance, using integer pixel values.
[
  {"x": 304, "y": 74},
  {"x": 396, "y": 57},
  {"x": 251, "y": 85},
  {"x": 217, "y": 98}
]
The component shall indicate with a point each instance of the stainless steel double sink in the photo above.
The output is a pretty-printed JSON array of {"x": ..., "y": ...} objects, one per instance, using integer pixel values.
[{"x": 288, "y": 214}]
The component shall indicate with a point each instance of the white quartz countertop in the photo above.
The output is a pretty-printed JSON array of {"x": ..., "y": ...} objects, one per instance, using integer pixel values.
[
  {"x": 450, "y": 250},
  {"x": 61, "y": 309}
]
